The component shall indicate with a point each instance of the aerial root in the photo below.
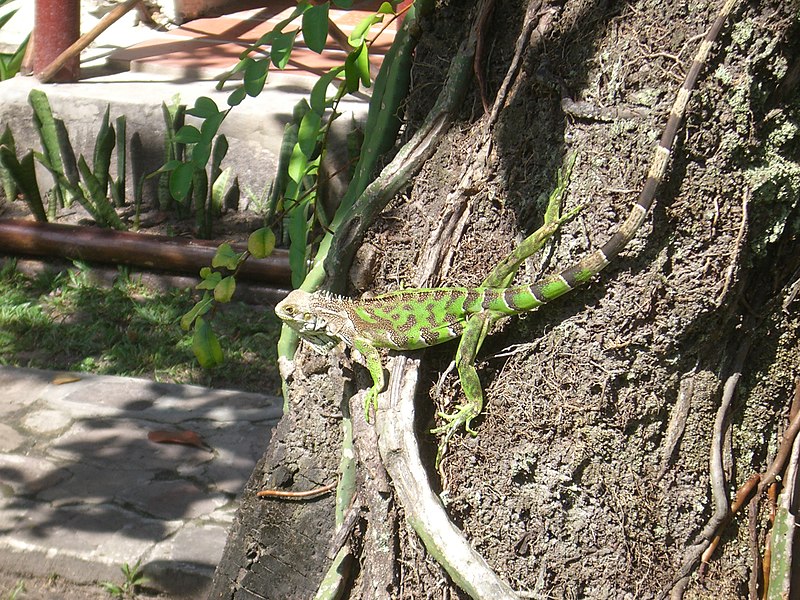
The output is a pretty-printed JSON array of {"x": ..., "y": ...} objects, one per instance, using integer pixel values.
[{"x": 748, "y": 494}]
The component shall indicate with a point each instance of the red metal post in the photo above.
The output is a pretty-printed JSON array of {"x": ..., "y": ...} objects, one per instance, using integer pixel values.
[{"x": 56, "y": 27}]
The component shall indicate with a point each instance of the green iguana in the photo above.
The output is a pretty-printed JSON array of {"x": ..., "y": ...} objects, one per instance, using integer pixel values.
[{"x": 417, "y": 318}]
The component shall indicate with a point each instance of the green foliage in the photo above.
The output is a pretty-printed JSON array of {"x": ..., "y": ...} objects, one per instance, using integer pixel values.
[
  {"x": 134, "y": 578},
  {"x": 45, "y": 124},
  {"x": 293, "y": 197},
  {"x": 15, "y": 592},
  {"x": 10, "y": 63},
  {"x": 6, "y": 179},
  {"x": 23, "y": 174},
  {"x": 67, "y": 321},
  {"x": 193, "y": 183}
]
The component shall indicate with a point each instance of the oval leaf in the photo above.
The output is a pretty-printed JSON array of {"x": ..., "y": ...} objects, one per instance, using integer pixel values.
[
  {"x": 261, "y": 242},
  {"x": 180, "y": 180},
  {"x": 210, "y": 281},
  {"x": 297, "y": 164},
  {"x": 225, "y": 257},
  {"x": 236, "y": 96},
  {"x": 308, "y": 133},
  {"x": 282, "y": 49},
  {"x": 225, "y": 289},
  {"x": 204, "y": 107},
  {"x": 360, "y": 31},
  {"x": 255, "y": 76},
  {"x": 198, "y": 309},
  {"x": 205, "y": 345},
  {"x": 319, "y": 93},
  {"x": 315, "y": 27},
  {"x": 188, "y": 134}
]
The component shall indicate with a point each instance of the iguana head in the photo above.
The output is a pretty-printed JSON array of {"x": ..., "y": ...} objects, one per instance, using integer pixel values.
[{"x": 313, "y": 317}]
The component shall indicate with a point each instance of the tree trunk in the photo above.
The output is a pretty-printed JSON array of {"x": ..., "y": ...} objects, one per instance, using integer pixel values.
[{"x": 590, "y": 474}]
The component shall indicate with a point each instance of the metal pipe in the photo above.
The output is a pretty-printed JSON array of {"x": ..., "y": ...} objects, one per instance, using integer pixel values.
[
  {"x": 157, "y": 252},
  {"x": 57, "y": 25}
]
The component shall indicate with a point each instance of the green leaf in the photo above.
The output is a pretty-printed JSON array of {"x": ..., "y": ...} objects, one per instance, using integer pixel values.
[
  {"x": 103, "y": 147},
  {"x": 168, "y": 166},
  {"x": 346, "y": 4},
  {"x": 356, "y": 68},
  {"x": 198, "y": 309},
  {"x": 225, "y": 289},
  {"x": 360, "y": 31},
  {"x": 204, "y": 108},
  {"x": 261, "y": 242},
  {"x": 180, "y": 180},
  {"x": 319, "y": 93},
  {"x": 188, "y": 134},
  {"x": 315, "y": 27},
  {"x": 205, "y": 345},
  {"x": 386, "y": 9},
  {"x": 362, "y": 64},
  {"x": 226, "y": 257},
  {"x": 201, "y": 153},
  {"x": 210, "y": 280},
  {"x": 6, "y": 179},
  {"x": 298, "y": 242},
  {"x": 297, "y": 164},
  {"x": 282, "y": 49},
  {"x": 218, "y": 188},
  {"x": 255, "y": 76},
  {"x": 236, "y": 96},
  {"x": 210, "y": 126},
  {"x": 308, "y": 133},
  {"x": 24, "y": 174}
]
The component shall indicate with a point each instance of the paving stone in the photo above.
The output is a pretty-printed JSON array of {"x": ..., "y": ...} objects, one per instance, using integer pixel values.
[
  {"x": 27, "y": 475},
  {"x": 177, "y": 499},
  {"x": 46, "y": 421},
  {"x": 122, "y": 444},
  {"x": 21, "y": 387},
  {"x": 83, "y": 490},
  {"x": 194, "y": 543},
  {"x": 105, "y": 533},
  {"x": 89, "y": 484},
  {"x": 10, "y": 438}
]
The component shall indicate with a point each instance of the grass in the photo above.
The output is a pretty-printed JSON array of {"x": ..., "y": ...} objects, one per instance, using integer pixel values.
[{"x": 65, "y": 321}]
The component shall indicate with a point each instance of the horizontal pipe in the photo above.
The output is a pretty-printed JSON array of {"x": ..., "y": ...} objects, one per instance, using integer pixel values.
[{"x": 156, "y": 252}]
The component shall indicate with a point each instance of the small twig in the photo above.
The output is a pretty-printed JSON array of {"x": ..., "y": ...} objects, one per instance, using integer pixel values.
[
  {"x": 477, "y": 63},
  {"x": 87, "y": 38},
  {"x": 677, "y": 421},
  {"x": 521, "y": 46},
  {"x": 351, "y": 516},
  {"x": 695, "y": 552},
  {"x": 784, "y": 449},
  {"x": 288, "y": 495},
  {"x": 755, "y": 557},
  {"x": 737, "y": 249}
]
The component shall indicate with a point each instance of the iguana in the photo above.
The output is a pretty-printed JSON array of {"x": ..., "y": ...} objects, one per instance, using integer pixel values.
[{"x": 416, "y": 318}]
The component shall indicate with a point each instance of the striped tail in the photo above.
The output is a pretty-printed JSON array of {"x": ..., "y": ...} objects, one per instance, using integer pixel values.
[{"x": 521, "y": 298}]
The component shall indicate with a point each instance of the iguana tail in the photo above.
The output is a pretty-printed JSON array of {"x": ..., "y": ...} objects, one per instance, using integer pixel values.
[{"x": 526, "y": 297}]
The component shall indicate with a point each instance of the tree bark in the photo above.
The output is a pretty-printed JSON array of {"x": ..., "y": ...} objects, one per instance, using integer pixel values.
[{"x": 598, "y": 469}]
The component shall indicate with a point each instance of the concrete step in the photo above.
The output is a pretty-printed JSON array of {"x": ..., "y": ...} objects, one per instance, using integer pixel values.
[{"x": 133, "y": 70}]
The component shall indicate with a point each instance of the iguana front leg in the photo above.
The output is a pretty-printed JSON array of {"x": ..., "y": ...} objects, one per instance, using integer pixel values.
[{"x": 372, "y": 360}]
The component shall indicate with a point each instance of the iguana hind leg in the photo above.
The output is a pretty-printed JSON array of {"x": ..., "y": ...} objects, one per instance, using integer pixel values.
[{"x": 372, "y": 360}]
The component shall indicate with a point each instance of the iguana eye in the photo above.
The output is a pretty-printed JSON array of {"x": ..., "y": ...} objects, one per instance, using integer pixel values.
[{"x": 289, "y": 310}]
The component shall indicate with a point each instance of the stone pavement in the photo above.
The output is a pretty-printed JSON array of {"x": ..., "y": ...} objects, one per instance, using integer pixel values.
[{"x": 83, "y": 490}]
